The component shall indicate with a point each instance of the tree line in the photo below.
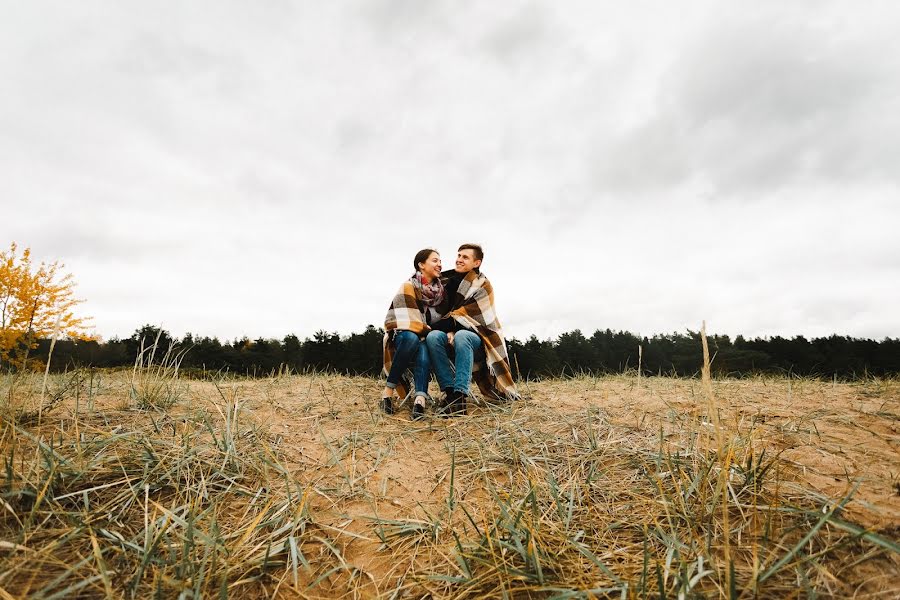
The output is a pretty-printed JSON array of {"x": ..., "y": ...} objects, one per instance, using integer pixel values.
[{"x": 604, "y": 352}]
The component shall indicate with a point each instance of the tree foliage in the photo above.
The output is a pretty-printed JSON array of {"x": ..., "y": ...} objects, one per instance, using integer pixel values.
[
  {"x": 36, "y": 302},
  {"x": 605, "y": 351}
]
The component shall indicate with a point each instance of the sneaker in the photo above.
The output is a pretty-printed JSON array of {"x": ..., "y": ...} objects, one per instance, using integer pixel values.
[
  {"x": 418, "y": 412},
  {"x": 387, "y": 405}
]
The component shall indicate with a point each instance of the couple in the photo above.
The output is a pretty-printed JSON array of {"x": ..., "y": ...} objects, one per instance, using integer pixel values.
[{"x": 445, "y": 321}]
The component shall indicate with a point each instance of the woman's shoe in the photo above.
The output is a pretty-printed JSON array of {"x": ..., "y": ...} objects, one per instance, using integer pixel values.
[{"x": 387, "y": 405}]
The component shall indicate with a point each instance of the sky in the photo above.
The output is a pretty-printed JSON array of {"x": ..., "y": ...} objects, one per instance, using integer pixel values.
[{"x": 263, "y": 168}]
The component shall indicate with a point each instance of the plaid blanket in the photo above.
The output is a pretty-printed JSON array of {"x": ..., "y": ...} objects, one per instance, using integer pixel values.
[
  {"x": 474, "y": 300},
  {"x": 406, "y": 312}
]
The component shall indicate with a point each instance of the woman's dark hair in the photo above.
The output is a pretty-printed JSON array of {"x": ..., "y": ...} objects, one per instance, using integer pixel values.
[{"x": 422, "y": 256}]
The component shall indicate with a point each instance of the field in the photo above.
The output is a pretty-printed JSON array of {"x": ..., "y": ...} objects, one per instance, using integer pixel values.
[{"x": 144, "y": 484}]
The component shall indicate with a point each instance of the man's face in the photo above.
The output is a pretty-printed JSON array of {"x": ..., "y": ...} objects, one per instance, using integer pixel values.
[{"x": 465, "y": 261}]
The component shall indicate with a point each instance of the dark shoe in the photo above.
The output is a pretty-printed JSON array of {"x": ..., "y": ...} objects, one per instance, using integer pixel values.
[
  {"x": 418, "y": 412},
  {"x": 458, "y": 408},
  {"x": 387, "y": 405},
  {"x": 455, "y": 404},
  {"x": 449, "y": 400}
]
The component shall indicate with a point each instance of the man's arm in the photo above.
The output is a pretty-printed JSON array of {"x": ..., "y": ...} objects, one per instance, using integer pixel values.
[{"x": 447, "y": 325}]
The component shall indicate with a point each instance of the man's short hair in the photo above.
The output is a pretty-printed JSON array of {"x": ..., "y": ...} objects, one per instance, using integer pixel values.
[{"x": 475, "y": 248}]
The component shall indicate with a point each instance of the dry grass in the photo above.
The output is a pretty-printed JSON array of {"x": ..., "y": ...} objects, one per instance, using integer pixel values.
[{"x": 296, "y": 486}]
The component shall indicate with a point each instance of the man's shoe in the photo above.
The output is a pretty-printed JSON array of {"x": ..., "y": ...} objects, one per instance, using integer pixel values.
[
  {"x": 387, "y": 405},
  {"x": 449, "y": 395},
  {"x": 455, "y": 404},
  {"x": 458, "y": 408},
  {"x": 418, "y": 412}
]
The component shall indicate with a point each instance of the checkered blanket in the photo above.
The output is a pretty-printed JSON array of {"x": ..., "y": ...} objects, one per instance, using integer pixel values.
[
  {"x": 474, "y": 300},
  {"x": 405, "y": 313}
]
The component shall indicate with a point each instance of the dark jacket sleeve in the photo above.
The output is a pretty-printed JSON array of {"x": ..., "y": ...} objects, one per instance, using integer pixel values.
[{"x": 447, "y": 325}]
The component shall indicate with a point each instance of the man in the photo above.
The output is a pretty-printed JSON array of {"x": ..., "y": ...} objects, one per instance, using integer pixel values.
[{"x": 472, "y": 330}]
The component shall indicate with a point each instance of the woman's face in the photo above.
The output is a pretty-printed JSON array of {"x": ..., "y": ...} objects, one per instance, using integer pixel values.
[{"x": 431, "y": 268}]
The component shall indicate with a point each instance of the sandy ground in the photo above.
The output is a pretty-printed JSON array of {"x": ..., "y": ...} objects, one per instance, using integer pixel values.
[
  {"x": 365, "y": 468},
  {"x": 834, "y": 435},
  {"x": 829, "y": 437}
]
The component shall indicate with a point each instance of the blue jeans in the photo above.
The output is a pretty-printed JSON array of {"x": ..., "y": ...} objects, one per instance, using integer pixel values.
[
  {"x": 408, "y": 349},
  {"x": 467, "y": 347}
]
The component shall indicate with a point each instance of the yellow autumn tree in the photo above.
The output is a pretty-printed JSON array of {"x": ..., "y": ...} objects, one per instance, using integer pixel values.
[{"x": 36, "y": 302}]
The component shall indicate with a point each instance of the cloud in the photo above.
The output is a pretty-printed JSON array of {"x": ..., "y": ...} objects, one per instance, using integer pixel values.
[
  {"x": 652, "y": 157},
  {"x": 522, "y": 35},
  {"x": 759, "y": 103},
  {"x": 215, "y": 166},
  {"x": 102, "y": 245},
  {"x": 405, "y": 20},
  {"x": 768, "y": 106}
]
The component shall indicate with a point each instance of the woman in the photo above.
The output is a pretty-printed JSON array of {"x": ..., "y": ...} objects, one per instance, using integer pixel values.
[{"x": 419, "y": 302}]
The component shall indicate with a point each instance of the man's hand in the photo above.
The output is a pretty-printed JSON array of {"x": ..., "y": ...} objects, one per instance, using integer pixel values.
[{"x": 450, "y": 338}]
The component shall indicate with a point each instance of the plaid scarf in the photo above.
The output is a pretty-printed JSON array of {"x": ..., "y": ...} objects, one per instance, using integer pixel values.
[
  {"x": 429, "y": 294},
  {"x": 474, "y": 302},
  {"x": 432, "y": 294}
]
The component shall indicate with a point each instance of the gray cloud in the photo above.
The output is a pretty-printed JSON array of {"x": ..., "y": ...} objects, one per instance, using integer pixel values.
[
  {"x": 168, "y": 55},
  {"x": 101, "y": 246},
  {"x": 523, "y": 35},
  {"x": 775, "y": 105},
  {"x": 757, "y": 104},
  {"x": 650, "y": 157},
  {"x": 405, "y": 19},
  {"x": 352, "y": 134}
]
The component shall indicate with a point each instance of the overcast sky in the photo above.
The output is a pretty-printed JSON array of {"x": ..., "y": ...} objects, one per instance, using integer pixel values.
[{"x": 262, "y": 168}]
